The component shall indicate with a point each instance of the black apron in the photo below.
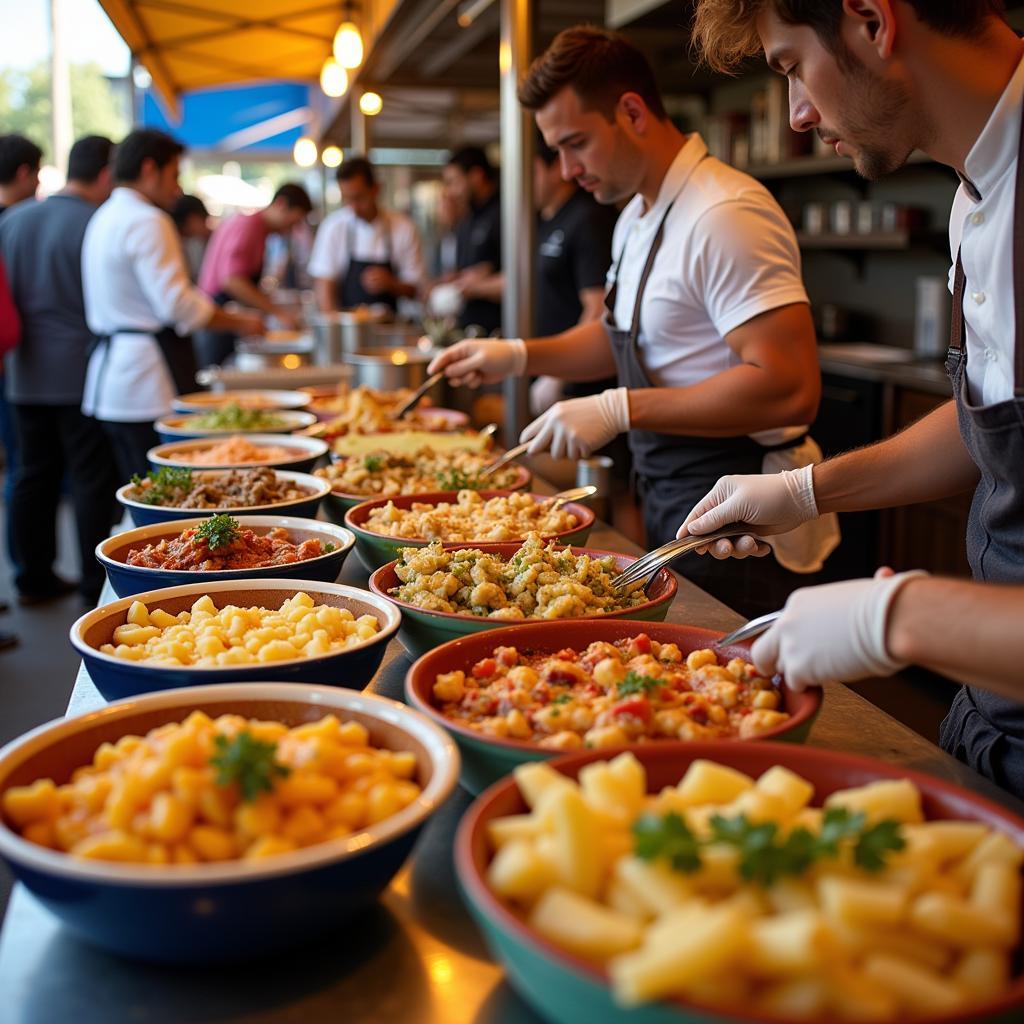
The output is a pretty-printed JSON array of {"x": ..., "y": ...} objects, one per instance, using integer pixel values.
[
  {"x": 982, "y": 729},
  {"x": 177, "y": 353},
  {"x": 349, "y": 291}
]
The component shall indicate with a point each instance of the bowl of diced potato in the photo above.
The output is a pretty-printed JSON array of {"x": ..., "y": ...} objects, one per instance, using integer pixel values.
[
  {"x": 537, "y": 691},
  {"x": 746, "y": 883},
  {"x": 223, "y": 822},
  {"x": 301, "y": 631}
]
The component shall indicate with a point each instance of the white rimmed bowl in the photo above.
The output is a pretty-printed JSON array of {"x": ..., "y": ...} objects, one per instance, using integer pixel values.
[
  {"x": 188, "y": 428},
  {"x": 256, "y": 398},
  {"x": 305, "y": 452}
]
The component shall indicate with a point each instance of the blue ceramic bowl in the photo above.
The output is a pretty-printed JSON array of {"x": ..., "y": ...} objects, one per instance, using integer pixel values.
[
  {"x": 248, "y": 398},
  {"x": 304, "y": 452},
  {"x": 186, "y": 428},
  {"x": 304, "y": 507},
  {"x": 237, "y": 909},
  {"x": 133, "y": 579},
  {"x": 353, "y": 667}
]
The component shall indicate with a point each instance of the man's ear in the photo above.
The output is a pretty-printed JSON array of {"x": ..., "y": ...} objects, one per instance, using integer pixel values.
[
  {"x": 870, "y": 26},
  {"x": 632, "y": 109}
]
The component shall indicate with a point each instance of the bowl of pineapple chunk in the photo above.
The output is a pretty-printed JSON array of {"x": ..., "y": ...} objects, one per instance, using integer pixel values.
[
  {"x": 222, "y": 822},
  {"x": 746, "y": 882}
]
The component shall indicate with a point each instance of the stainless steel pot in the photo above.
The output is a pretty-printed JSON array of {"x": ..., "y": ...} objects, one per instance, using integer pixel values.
[
  {"x": 336, "y": 335},
  {"x": 390, "y": 369}
]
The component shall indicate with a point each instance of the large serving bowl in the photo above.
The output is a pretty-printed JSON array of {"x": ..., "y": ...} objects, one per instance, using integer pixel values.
[
  {"x": 306, "y": 452},
  {"x": 337, "y": 503},
  {"x": 485, "y": 759},
  {"x": 235, "y": 909},
  {"x": 206, "y": 401},
  {"x": 304, "y": 507},
  {"x": 353, "y": 667},
  {"x": 424, "y": 630},
  {"x": 564, "y": 987},
  {"x": 376, "y": 549},
  {"x": 127, "y": 580},
  {"x": 188, "y": 428}
]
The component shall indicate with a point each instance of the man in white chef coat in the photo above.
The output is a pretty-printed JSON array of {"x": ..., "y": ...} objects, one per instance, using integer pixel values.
[
  {"x": 139, "y": 301},
  {"x": 707, "y": 328}
]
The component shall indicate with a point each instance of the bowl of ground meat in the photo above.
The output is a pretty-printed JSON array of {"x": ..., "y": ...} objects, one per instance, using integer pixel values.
[
  {"x": 220, "y": 547},
  {"x": 178, "y": 493}
]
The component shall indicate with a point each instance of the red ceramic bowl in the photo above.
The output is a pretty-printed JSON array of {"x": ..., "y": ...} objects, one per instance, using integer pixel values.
[
  {"x": 485, "y": 759},
  {"x": 572, "y": 981}
]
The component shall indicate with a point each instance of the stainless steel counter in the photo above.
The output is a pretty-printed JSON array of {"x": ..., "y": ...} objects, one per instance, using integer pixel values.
[
  {"x": 416, "y": 958},
  {"x": 886, "y": 365}
]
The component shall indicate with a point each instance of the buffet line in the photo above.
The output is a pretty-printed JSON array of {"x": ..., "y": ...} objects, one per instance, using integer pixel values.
[{"x": 650, "y": 839}]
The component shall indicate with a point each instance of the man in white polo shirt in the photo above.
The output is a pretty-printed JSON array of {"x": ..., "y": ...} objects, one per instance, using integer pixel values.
[{"x": 707, "y": 327}]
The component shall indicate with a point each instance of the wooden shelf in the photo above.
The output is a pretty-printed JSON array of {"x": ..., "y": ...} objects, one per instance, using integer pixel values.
[
  {"x": 887, "y": 241},
  {"x": 806, "y": 166}
]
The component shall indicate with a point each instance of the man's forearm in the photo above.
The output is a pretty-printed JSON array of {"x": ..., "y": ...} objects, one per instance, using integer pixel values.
[
  {"x": 490, "y": 288},
  {"x": 582, "y": 353},
  {"x": 243, "y": 290},
  {"x": 925, "y": 462},
  {"x": 323, "y": 289},
  {"x": 967, "y": 631}
]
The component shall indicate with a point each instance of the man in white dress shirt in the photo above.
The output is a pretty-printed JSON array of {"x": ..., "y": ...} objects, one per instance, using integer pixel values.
[
  {"x": 364, "y": 255},
  {"x": 139, "y": 301},
  {"x": 708, "y": 326}
]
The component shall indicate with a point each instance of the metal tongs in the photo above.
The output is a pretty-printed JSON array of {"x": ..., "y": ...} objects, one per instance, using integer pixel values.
[
  {"x": 755, "y": 627},
  {"x": 501, "y": 460},
  {"x": 646, "y": 567},
  {"x": 410, "y": 402},
  {"x": 573, "y": 494}
]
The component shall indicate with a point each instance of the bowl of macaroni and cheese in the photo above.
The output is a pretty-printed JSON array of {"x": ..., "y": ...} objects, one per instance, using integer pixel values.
[
  {"x": 219, "y": 822},
  {"x": 542, "y": 689},
  {"x": 445, "y": 593},
  {"x": 220, "y": 547},
  {"x": 302, "y": 631},
  {"x": 384, "y": 526},
  {"x": 241, "y": 451}
]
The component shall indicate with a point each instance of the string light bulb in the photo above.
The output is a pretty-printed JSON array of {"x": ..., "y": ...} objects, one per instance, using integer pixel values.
[
  {"x": 332, "y": 156},
  {"x": 304, "y": 153},
  {"x": 348, "y": 45},
  {"x": 371, "y": 104},
  {"x": 333, "y": 78}
]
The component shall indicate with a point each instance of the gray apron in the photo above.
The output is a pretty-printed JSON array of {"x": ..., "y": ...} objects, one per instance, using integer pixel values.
[{"x": 982, "y": 729}]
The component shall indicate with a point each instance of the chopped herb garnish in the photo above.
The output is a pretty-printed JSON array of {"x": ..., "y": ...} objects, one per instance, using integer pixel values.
[
  {"x": 562, "y": 698},
  {"x": 637, "y": 683},
  {"x": 218, "y": 531},
  {"x": 166, "y": 485},
  {"x": 667, "y": 837},
  {"x": 875, "y": 842},
  {"x": 249, "y": 762},
  {"x": 460, "y": 480},
  {"x": 374, "y": 463},
  {"x": 234, "y": 417},
  {"x": 329, "y": 547}
]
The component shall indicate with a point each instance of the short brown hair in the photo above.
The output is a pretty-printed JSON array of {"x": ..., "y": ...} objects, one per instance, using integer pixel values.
[
  {"x": 725, "y": 31},
  {"x": 598, "y": 65}
]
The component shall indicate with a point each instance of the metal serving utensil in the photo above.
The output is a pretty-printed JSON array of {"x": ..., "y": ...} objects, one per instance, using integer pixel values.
[
  {"x": 501, "y": 460},
  {"x": 646, "y": 567},
  {"x": 410, "y": 402},
  {"x": 755, "y": 627},
  {"x": 573, "y": 494}
]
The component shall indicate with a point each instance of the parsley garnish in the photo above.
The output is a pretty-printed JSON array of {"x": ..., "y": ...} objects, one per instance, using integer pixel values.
[
  {"x": 636, "y": 683},
  {"x": 248, "y": 762},
  {"x": 764, "y": 855},
  {"x": 234, "y": 417},
  {"x": 459, "y": 480},
  {"x": 329, "y": 547},
  {"x": 374, "y": 463},
  {"x": 218, "y": 531},
  {"x": 166, "y": 485},
  {"x": 562, "y": 698}
]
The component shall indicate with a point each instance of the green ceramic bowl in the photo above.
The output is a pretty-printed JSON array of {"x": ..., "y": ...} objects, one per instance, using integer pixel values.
[
  {"x": 375, "y": 549},
  {"x": 337, "y": 503},
  {"x": 565, "y": 988},
  {"x": 422, "y": 630},
  {"x": 485, "y": 759}
]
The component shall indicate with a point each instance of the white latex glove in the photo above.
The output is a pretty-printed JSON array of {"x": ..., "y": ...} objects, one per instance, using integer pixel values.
[
  {"x": 833, "y": 632},
  {"x": 475, "y": 362},
  {"x": 574, "y": 428},
  {"x": 544, "y": 392},
  {"x": 769, "y": 502}
]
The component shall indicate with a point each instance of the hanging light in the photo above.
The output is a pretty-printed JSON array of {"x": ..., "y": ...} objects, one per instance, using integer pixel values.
[
  {"x": 332, "y": 156},
  {"x": 304, "y": 153},
  {"x": 371, "y": 104},
  {"x": 348, "y": 45},
  {"x": 333, "y": 78}
]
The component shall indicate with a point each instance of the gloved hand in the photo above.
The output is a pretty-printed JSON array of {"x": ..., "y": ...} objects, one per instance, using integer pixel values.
[
  {"x": 476, "y": 362},
  {"x": 544, "y": 392},
  {"x": 769, "y": 502},
  {"x": 832, "y": 632},
  {"x": 574, "y": 428}
]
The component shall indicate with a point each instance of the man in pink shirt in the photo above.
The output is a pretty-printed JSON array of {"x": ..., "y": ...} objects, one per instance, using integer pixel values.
[{"x": 233, "y": 264}]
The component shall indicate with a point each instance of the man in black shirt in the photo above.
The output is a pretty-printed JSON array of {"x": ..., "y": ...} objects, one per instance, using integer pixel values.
[{"x": 471, "y": 180}]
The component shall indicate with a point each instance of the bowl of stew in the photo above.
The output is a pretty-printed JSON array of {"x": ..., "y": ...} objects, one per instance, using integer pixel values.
[
  {"x": 220, "y": 547},
  {"x": 537, "y": 691}
]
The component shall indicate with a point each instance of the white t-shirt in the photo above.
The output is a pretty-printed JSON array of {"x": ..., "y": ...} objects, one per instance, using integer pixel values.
[
  {"x": 134, "y": 276},
  {"x": 343, "y": 236},
  {"x": 982, "y": 228},
  {"x": 728, "y": 254}
]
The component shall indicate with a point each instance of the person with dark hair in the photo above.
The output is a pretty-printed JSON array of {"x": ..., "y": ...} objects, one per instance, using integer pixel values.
[
  {"x": 233, "y": 265},
  {"x": 707, "y": 328},
  {"x": 19, "y": 169},
  {"x": 879, "y": 79},
  {"x": 364, "y": 254},
  {"x": 41, "y": 245},
  {"x": 192, "y": 220},
  {"x": 471, "y": 182},
  {"x": 140, "y": 303}
]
